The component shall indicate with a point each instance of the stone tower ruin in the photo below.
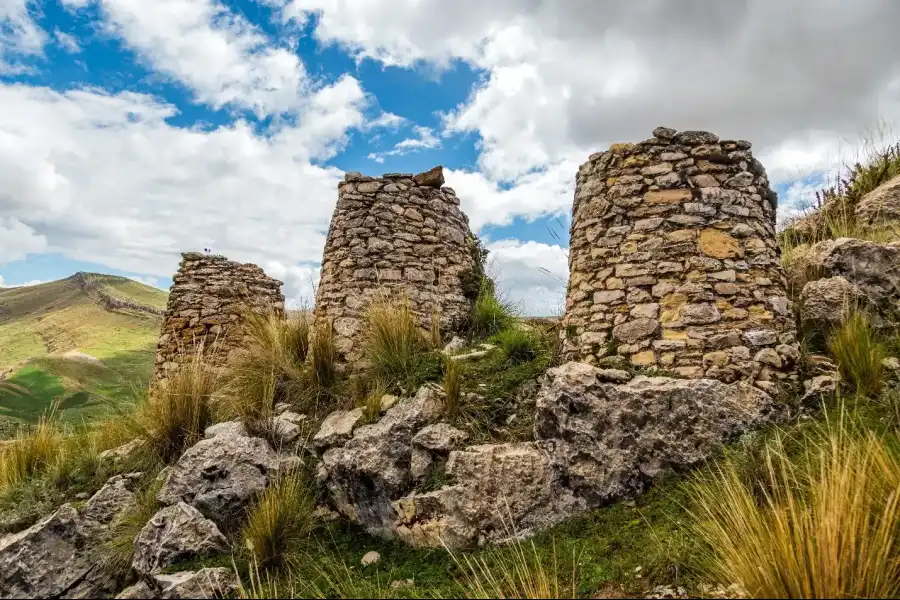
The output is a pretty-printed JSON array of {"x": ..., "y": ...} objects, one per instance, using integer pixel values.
[
  {"x": 674, "y": 261},
  {"x": 207, "y": 303},
  {"x": 400, "y": 234}
]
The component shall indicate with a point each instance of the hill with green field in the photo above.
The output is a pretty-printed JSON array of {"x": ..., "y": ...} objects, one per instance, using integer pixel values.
[{"x": 82, "y": 341}]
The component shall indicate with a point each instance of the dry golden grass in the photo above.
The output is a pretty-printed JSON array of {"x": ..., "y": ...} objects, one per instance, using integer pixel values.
[
  {"x": 31, "y": 453},
  {"x": 826, "y": 526},
  {"x": 395, "y": 344},
  {"x": 452, "y": 387}
]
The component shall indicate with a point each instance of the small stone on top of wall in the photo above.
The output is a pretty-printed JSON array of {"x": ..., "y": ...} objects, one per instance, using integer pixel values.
[
  {"x": 207, "y": 303},
  {"x": 401, "y": 234},
  {"x": 674, "y": 261}
]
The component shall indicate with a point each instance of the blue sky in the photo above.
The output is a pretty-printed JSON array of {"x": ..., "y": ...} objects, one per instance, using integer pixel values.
[{"x": 135, "y": 130}]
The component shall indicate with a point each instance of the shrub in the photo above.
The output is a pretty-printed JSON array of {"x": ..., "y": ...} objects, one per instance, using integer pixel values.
[
  {"x": 519, "y": 345},
  {"x": 452, "y": 387},
  {"x": 281, "y": 520},
  {"x": 826, "y": 526},
  {"x": 395, "y": 345},
  {"x": 859, "y": 355},
  {"x": 490, "y": 313},
  {"x": 175, "y": 416}
]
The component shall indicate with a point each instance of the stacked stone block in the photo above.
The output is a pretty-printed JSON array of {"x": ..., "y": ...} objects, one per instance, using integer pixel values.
[
  {"x": 208, "y": 301},
  {"x": 674, "y": 261},
  {"x": 401, "y": 235}
]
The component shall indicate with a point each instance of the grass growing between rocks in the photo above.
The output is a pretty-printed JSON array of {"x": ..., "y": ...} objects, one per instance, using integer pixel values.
[
  {"x": 118, "y": 551},
  {"x": 395, "y": 344},
  {"x": 491, "y": 314},
  {"x": 859, "y": 353}
]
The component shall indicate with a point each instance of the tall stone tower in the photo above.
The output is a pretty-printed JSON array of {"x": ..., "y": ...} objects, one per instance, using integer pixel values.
[
  {"x": 399, "y": 234},
  {"x": 674, "y": 261}
]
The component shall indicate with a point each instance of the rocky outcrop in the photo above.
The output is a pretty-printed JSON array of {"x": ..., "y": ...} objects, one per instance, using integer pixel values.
[
  {"x": 596, "y": 442},
  {"x": 399, "y": 235},
  {"x": 221, "y": 475},
  {"x": 176, "y": 534},
  {"x": 881, "y": 206},
  {"x": 61, "y": 555},
  {"x": 673, "y": 257},
  {"x": 825, "y": 302}
]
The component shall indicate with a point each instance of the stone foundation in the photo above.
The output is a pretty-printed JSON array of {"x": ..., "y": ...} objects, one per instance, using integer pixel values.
[
  {"x": 674, "y": 261},
  {"x": 207, "y": 303},
  {"x": 398, "y": 234}
]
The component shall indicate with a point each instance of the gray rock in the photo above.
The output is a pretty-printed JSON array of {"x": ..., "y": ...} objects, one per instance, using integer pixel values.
[
  {"x": 880, "y": 206},
  {"x": 825, "y": 302},
  {"x": 475, "y": 355},
  {"x": 614, "y": 375},
  {"x": 664, "y": 133},
  {"x": 175, "y": 534},
  {"x": 58, "y": 555},
  {"x": 221, "y": 476},
  {"x": 432, "y": 178},
  {"x": 873, "y": 268},
  {"x": 124, "y": 453},
  {"x": 372, "y": 469},
  {"x": 502, "y": 492},
  {"x": 455, "y": 345},
  {"x": 285, "y": 429},
  {"x": 693, "y": 138},
  {"x": 440, "y": 437},
  {"x": 205, "y": 583},
  {"x": 636, "y": 330},
  {"x": 139, "y": 591},
  {"x": 228, "y": 428},
  {"x": 760, "y": 337},
  {"x": 370, "y": 558},
  {"x": 819, "y": 388},
  {"x": 337, "y": 428}
]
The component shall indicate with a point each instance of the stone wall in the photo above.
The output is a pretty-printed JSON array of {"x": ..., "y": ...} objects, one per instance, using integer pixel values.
[
  {"x": 674, "y": 261},
  {"x": 400, "y": 234},
  {"x": 207, "y": 303}
]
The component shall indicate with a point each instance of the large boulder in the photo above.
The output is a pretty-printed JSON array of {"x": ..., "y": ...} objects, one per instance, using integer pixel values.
[
  {"x": 61, "y": 554},
  {"x": 372, "y": 470},
  {"x": 499, "y": 492},
  {"x": 873, "y": 268},
  {"x": 881, "y": 206},
  {"x": 825, "y": 302},
  {"x": 176, "y": 534},
  {"x": 221, "y": 475},
  {"x": 620, "y": 437},
  {"x": 205, "y": 583}
]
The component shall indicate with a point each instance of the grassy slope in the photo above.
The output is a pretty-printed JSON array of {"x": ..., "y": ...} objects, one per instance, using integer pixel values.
[{"x": 40, "y": 324}]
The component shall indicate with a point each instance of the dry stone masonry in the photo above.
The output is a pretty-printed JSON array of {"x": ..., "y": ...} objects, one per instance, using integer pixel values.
[
  {"x": 207, "y": 303},
  {"x": 674, "y": 261},
  {"x": 404, "y": 234}
]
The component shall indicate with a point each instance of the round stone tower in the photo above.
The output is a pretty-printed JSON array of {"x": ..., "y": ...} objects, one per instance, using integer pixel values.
[
  {"x": 207, "y": 302},
  {"x": 400, "y": 234},
  {"x": 674, "y": 261}
]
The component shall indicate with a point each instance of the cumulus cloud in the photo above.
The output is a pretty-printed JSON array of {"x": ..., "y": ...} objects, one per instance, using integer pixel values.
[
  {"x": 3, "y": 283},
  {"x": 424, "y": 140},
  {"x": 533, "y": 275},
  {"x": 18, "y": 240},
  {"x": 19, "y": 35}
]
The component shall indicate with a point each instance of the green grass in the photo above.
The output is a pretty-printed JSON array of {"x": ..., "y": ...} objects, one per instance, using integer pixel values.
[
  {"x": 490, "y": 313},
  {"x": 859, "y": 352},
  {"x": 395, "y": 344},
  {"x": 519, "y": 345}
]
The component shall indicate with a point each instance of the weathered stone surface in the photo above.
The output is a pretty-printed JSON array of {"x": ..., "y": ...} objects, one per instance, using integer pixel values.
[
  {"x": 337, "y": 428},
  {"x": 873, "y": 268},
  {"x": 175, "y": 534},
  {"x": 677, "y": 231},
  {"x": 221, "y": 476},
  {"x": 207, "y": 302},
  {"x": 58, "y": 555},
  {"x": 403, "y": 238},
  {"x": 370, "y": 471},
  {"x": 455, "y": 345},
  {"x": 825, "y": 302},
  {"x": 619, "y": 437},
  {"x": 819, "y": 388},
  {"x": 206, "y": 583},
  {"x": 139, "y": 591},
  {"x": 124, "y": 453},
  {"x": 440, "y": 437},
  {"x": 881, "y": 206},
  {"x": 227, "y": 428}
]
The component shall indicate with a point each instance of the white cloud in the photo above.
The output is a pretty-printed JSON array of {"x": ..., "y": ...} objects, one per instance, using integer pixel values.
[
  {"x": 424, "y": 140},
  {"x": 68, "y": 42},
  {"x": 67, "y": 161},
  {"x": 531, "y": 275},
  {"x": 3, "y": 283},
  {"x": 19, "y": 34},
  {"x": 150, "y": 281}
]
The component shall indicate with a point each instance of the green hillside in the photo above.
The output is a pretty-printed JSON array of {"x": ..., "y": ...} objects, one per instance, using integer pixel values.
[{"x": 83, "y": 341}]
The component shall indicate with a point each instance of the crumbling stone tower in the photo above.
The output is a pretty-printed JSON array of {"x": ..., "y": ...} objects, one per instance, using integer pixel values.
[
  {"x": 674, "y": 261},
  {"x": 207, "y": 303},
  {"x": 400, "y": 234}
]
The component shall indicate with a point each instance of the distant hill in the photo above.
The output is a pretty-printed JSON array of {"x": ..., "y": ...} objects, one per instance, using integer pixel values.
[{"x": 85, "y": 340}]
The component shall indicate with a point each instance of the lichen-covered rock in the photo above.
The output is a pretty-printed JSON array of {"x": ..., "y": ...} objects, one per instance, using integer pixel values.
[
  {"x": 337, "y": 428},
  {"x": 221, "y": 476},
  {"x": 58, "y": 555},
  {"x": 139, "y": 591},
  {"x": 500, "y": 492},
  {"x": 175, "y": 534},
  {"x": 881, "y": 206},
  {"x": 397, "y": 235},
  {"x": 227, "y": 428},
  {"x": 619, "y": 437},
  {"x": 819, "y": 388},
  {"x": 873, "y": 268},
  {"x": 124, "y": 453},
  {"x": 370, "y": 471},
  {"x": 205, "y": 583},
  {"x": 432, "y": 445},
  {"x": 825, "y": 302},
  {"x": 673, "y": 245}
]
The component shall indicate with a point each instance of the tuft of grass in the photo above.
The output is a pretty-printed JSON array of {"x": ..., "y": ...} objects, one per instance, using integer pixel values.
[
  {"x": 281, "y": 520},
  {"x": 174, "y": 417},
  {"x": 452, "y": 387},
  {"x": 434, "y": 330},
  {"x": 323, "y": 357},
  {"x": 395, "y": 345},
  {"x": 118, "y": 550},
  {"x": 490, "y": 313},
  {"x": 33, "y": 452},
  {"x": 519, "y": 345},
  {"x": 825, "y": 528},
  {"x": 371, "y": 402},
  {"x": 859, "y": 354}
]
